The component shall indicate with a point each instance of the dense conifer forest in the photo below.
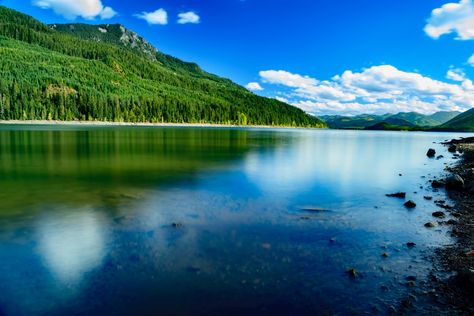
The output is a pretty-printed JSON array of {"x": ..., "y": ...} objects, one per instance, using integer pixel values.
[{"x": 72, "y": 72}]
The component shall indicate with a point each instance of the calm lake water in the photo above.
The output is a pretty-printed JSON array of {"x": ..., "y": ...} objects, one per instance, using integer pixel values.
[{"x": 87, "y": 214}]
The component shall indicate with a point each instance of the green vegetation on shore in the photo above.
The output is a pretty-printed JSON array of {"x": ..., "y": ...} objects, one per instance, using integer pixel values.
[{"x": 72, "y": 73}]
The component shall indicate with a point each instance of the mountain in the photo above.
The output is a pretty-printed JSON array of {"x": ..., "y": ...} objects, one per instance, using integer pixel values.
[
  {"x": 351, "y": 122},
  {"x": 444, "y": 116},
  {"x": 108, "y": 73},
  {"x": 384, "y": 126},
  {"x": 109, "y": 33},
  {"x": 463, "y": 122},
  {"x": 402, "y": 119}
]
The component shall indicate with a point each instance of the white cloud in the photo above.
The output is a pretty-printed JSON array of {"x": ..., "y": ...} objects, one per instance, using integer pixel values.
[
  {"x": 188, "y": 17},
  {"x": 378, "y": 89},
  {"x": 71, "y": 9},
  {"x": 107, "y": 13},
  {"x": 286, "y": 78},
  {"x": 456, "y": 74},
  {"x": 159, "y": 16},
  {"x": 470, "y": 61},
  {"x": 254, "y": 86},
  {"x": 452, "y": 18}
]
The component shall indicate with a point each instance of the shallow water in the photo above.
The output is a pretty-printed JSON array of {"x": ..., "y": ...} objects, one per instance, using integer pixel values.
[{"x": 87, "y": 213}]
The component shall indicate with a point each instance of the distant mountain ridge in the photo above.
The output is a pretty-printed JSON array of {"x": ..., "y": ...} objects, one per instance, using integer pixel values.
[{"x": 405, "y": 119}]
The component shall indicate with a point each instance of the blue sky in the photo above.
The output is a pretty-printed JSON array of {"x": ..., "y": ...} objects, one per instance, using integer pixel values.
[{"x": 325, "y": 56}]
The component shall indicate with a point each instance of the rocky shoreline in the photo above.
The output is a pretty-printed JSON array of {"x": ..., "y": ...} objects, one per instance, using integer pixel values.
[{"x": 456, "y": 292}]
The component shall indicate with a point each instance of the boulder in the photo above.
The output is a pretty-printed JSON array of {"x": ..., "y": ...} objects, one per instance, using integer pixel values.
[
  {"x": 452, "y": 148},
  {"x": 454, "y": 182},
  {"x": 438, "y": 214},
  {"x": 431, "y": 153},
  {"x": 437, "y": 184},
  {"x": 431, "y": 224},
  {"x": 401, "y": 195},
  {"x": 410, "y": 204}
]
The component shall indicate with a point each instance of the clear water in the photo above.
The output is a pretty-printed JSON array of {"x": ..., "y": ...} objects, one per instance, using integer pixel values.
[{"x": 86, "y": 218}]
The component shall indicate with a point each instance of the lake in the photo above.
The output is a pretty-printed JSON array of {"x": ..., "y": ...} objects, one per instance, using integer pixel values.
[{"x": 212, "y": 221}]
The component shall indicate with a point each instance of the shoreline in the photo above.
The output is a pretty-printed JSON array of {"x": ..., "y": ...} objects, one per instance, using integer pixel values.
[
  {"x": 457, "y": 291},
  {"x": 144, "y": 124}
]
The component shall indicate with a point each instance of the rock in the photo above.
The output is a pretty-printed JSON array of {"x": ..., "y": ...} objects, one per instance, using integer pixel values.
[
  {"x": 429, "y": 198},
  {"x": 314, "y": 209},
  {"x": 469, "y": 253},
  {"x": 437, "y": 184},
  {"x": 439, "y": 157},
  {"x": 385, "y": 255},
  {"x": 469, "y": 186},
  {"x": 411, "y": 278},
  {"x": 411, "y": 283},
  {"x": 454, "y": 182},
  {"x": 411, "y": 244},
  {"x": 451, "y": 222},
  {"x": 410, "y": 204},
  {"x": 431, "y": 153},
  {"x": 352, "y": 273},
  {"x": 401, "y": 195},
  {"x": 467, "y": 277},
  {"x": 438, "y": 214},
  {"x": 431, "y": 224},
  {"x": 452, "y": 148}
]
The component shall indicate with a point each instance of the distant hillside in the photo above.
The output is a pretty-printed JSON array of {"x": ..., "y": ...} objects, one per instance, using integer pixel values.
[
  {"x": 444, "y": 116},
  {"x": 402, "y": 119},
  {"x": 463, "y": 122},
  {"x": 351, "y": 122},
  {"x": 384, "y": 126},
  {"x": 108, "y": 73}
]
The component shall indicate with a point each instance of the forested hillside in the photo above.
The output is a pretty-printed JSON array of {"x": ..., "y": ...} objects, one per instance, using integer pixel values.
[
  {"x": 402, "y": 120},
  {"x": 56, "y": 74},
  {"x": 464, "y": 122}
]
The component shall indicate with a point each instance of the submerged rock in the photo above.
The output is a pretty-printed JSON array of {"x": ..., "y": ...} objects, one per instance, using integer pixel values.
[
  {"x": 454, "y": 182},
  {"x": 401, "y": 195},
  {"x": 352, "y": 273},
  {"x": 177, "y": 225},
  {"x": 410, "y": 204},
  {"x": 411, "y": 244},
  {"x": 437, "y": 184},
  {"x": 314, "y": 209},
  {"x": 438, "y": 214},
  {"x": 431, "y": 224},
  {"x": 431, "y": 153},
  {"x": 429, "y": 198},
  {"x": 385, "y": 255}
]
